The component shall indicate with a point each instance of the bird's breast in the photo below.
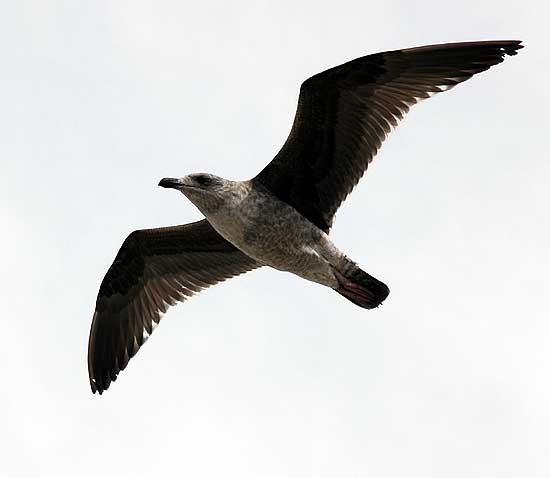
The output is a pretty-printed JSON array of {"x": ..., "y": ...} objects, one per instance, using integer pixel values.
[{"x": 265, "y": 228}]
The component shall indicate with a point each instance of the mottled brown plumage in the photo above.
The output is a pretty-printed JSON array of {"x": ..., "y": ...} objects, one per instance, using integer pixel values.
[{"x": 281, "y": 217}]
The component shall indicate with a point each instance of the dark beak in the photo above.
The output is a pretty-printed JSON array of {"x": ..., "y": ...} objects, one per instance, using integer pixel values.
[{"x": 173, "y": 183}]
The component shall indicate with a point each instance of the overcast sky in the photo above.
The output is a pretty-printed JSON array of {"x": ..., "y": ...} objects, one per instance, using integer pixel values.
[{"x": 268, "y": 375}]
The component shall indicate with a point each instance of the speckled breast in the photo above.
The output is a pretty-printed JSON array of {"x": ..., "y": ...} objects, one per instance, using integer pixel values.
[{"x": 267, "y": 229}]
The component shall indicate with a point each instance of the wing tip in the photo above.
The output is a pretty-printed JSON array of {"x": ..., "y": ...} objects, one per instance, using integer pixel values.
[
  {"x": 99, "y": 383},
  {"x": 99, "y": 386},
  {"x": 507, "y": 47},
  {"x": 513, "y": 47},
  {"x": 96, "y": 388}
]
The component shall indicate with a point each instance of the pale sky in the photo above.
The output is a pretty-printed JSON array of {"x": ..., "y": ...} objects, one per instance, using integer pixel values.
[{"x": 268, "y": 375}]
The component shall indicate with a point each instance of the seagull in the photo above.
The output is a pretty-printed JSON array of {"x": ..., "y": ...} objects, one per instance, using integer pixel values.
[{"x": 282, "y": 217}]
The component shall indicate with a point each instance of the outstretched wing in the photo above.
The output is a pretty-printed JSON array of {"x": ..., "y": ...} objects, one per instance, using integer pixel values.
[
  {"x": 345, "y": 113},
  {"x": 153, "y": 270}
]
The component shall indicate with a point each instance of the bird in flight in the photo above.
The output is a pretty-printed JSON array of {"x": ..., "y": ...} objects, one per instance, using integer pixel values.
[{"x": 282, "y": 217}]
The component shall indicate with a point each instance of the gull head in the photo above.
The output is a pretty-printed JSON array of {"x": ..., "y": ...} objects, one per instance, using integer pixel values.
[{"x": 206, "y": 191}]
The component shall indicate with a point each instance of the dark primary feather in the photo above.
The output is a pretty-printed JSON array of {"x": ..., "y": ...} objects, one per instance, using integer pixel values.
[
  {"x": 345, "y": 113},
  {"x": 153, "y": 270}
]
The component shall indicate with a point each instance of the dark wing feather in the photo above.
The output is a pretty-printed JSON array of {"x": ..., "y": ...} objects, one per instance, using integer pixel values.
[
  {"x": 345, "y": 113},
  {"x": 154, "y": 269}
]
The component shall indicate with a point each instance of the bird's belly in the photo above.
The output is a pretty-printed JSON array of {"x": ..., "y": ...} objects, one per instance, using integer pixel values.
[{"x": 280, "y": 238}]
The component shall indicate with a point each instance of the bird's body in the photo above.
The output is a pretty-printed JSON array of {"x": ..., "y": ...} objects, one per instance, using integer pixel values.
[
  {"x": 281, "y": 218},
  {"x": 274, "y": 233}
]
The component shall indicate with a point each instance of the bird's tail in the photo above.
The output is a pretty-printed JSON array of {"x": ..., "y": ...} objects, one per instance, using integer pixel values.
[{"x": 359, "y": 287}]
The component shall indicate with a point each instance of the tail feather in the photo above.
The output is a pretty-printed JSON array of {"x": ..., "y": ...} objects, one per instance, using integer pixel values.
[{"x": 359, "y": 287}]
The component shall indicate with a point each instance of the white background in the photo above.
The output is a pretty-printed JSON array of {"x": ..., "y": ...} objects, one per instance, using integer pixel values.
[{"x": 268, "y": 375}]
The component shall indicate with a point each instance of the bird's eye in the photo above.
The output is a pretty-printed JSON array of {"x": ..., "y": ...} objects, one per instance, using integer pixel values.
[{"x": 202, "y": 179}]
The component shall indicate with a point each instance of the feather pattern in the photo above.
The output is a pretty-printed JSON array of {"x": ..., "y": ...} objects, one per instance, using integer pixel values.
[
  {"x": 153, "y": 270},
  {"x": 345, "y": 113}
]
